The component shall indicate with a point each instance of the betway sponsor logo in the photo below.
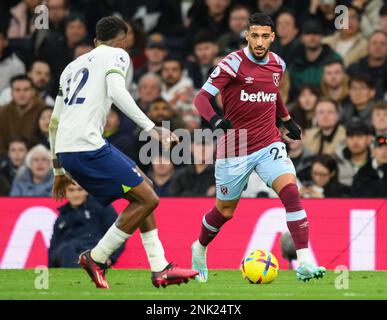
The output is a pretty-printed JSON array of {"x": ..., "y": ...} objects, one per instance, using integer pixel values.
[{"x": 260, "y": 96}]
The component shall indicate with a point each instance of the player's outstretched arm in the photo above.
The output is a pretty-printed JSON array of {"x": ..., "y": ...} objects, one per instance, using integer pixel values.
[
  {"x": 124, "y": 101},
  {"x": 61, "y": 180}
]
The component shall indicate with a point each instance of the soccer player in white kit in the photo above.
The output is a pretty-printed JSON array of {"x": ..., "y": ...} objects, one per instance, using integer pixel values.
[{"x": 88, "y": 87}]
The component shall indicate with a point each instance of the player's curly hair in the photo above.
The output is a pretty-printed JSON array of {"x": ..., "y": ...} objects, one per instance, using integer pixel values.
[
  {"x": 109, "y": 27},
  {"x": 260, "y": 19}
]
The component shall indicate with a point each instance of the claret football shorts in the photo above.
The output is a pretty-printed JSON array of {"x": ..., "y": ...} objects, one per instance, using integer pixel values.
[{"x": 232, "y": 174}]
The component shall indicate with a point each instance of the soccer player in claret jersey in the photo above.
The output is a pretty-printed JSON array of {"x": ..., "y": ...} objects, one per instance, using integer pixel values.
[
  {"x": 248, "y": 80},
  {"x": 88, "y": 87}
]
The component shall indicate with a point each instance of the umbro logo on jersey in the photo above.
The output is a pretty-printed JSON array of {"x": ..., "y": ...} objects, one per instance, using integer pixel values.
[
  {"x": 260, "y": 96},
  {"x": 249, "y": 80}
]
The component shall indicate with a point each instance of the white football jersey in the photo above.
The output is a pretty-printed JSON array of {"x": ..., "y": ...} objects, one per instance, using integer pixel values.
[{"x": 86, "y": 101}]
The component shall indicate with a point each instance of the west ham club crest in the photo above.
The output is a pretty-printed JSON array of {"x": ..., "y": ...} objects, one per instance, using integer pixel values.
[{"x": 276, "y": 78}]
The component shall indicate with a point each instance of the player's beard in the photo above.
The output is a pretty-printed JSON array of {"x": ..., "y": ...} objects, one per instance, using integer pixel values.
[{"x": 260, "y": 57}]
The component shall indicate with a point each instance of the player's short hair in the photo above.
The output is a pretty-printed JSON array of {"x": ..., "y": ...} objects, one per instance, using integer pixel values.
[
  {"x": 260, "y": 19},
  {"x": 19, "y": 139},
  {"x": 38, "y": 60},
  {"x": 362, "y": 77},
  {"x": 110, "y": 27},
  {"x": 204, "y": 37},
  {"x": 172, "y": 59},
  {"x": 381, "y": 105},
  {"x": 330, "y": 62},
  {"x": 21, "y": 77}
]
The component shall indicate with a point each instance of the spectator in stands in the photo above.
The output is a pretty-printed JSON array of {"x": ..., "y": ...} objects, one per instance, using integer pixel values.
[
  {"x": 112, "y": 133},
  {"x": 270, "y": 7},
  {"x": 324, "y": 183},
  {"x": 40, "y": 73},
  {"x": 79, "y": 226},
  {"x": 349, "y": 42},
  {"x": 329, "y": 134},
  {"x": 307, "y": 66},
  {"x": 355, "y": 154},
  {"x": 287, "y": 32},
  {"x": 10, "y": 63},
  {"x": 4, "y": 187},
  {"x": 207, "y": 15},
  {"x": 361, "y": 95},
  {"x": 334, "y": 83},
  {"x": 370, "y": 20},
  {"x": 375, "y": 64},
  {"x": 22, "y": 22},
  {"x": 161, "y": 174},
  {"x": 35, "y": 179},
  {"x": 82, "y": 48},
  {"x": 58, "y": 10},
  {"x": 205, "y": 50},
  {"x": 19, "y": 116},
  {"x": 197, "y": 179},
  {"x": 324, "y": 13},
  {"x": 160, "y": 110},
  {"x": 41, "y": 127},
  {"x": 136, "y": 44},
  {"x": 15, "y": 158},
  {"x": 149, "y": 88},
  {"x": 379, "y": 118},
  {"x": 237, "y": 23},
  {"x": 58, "y": 51},
  {"x": 155, "y": 52},
  {"x": 303, "y": 111},
  {"x": 371, "y": 180},
  {"x": 177, "y": 89},
  {"x": 301, "y": 157}
]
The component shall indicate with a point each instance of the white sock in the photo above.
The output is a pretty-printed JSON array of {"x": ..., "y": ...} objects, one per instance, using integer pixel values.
[
  {"x": 200, "y": 247},
  {"x": 110, "y": 242},
  {"x": 154, "y": 250},
  {"x": 303, "y": 255}
]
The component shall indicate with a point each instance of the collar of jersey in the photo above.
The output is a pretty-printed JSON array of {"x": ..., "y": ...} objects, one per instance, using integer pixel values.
[{"x": 252, "y": 59}]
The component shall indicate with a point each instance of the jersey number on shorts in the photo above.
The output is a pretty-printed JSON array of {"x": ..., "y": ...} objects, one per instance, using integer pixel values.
[
  {"x": 74, "y": 98},
  {"x": 276, "y": 151}
]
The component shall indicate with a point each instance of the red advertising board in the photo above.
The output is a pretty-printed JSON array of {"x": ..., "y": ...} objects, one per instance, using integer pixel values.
[{"x": 350, "y": 232}]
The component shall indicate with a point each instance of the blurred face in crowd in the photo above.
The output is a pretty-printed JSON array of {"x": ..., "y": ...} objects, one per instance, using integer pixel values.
[
  {"x": 40, "y": 164},
  {"x": 203, "y": 153},
  {"x": 160, "y": 111},
  {"x": 269, "y": 6},
  {"x": 171, "y": 73},
  {"x": 321, "y": 174},
  {"x": 156, "y": 54},
  {"x": 326, "y": 115},
  {"x": 383, "y": 23},
  {"x": 206, "y": 52},
  {"x": 358, "y": 144},
  {"x": 162, "y": 167},
  {"x": 17, "y": 152},
  {"x": 380, "y": 154},
  {"x": 149, "y": 88},
  {"x": 307, "y": 99},
  {"x": 44, "y": 120},
  {"x": 377, "y": 46},
  {"x": 81, "y": 50},
  {"x": 238, "y": 20},
  {"x": 75, "y": 32},
  {"x": 327, "y": 6},
  {"x": 259, "y": 40},
  {"x": 360, "y": 93},
  {"x": 57, "y": 11},
  {"x": 353, "y": 24},
  {"x": 22, "y": 92},
  {"x": 334, "y": 75},
  {"x": 379, "y": 120},
  {"x": 286, "y": 26},
  {"x": 76, "y": 195},
  {"x": 311, "y": 41},
  {"x": 217, "y": 7},
  {"x": 40, "y": 74},
  {"x": 112, "y": 121}
]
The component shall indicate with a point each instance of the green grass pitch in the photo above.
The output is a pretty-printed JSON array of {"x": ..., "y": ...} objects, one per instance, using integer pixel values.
[{"x": 223, "y": 285}]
